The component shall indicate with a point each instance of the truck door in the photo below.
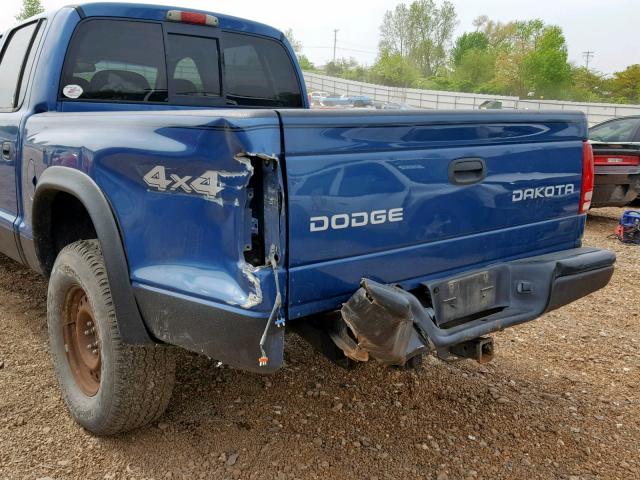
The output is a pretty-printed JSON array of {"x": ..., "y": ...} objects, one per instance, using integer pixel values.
[{"x": 17, "y": 56}]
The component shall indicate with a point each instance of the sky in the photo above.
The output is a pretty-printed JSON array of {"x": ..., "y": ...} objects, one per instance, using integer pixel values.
[{"x": 609, "y": 28}]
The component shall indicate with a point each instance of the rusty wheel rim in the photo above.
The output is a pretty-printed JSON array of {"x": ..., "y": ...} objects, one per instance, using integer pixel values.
[{"x": 81, "y": 340}]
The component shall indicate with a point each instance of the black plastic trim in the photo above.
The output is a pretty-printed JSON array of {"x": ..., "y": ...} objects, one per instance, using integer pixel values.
[
  {"x": 223, "y": 334},
  {"x": 555, "y": 279},
  {"x": 467, "y": 171},
  {"x": 80, "y": 11},
  {"x": 74, "y": 182}
]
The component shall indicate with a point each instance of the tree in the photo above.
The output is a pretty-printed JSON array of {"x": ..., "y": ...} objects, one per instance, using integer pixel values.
[
  {"x": 305, "y": 63},
  {"x": 587, "y": 85},
  {"x": 500, "y": 35},
  {"x": 420, "y": 32},
  {"x": 394, "y": 70},
  {"x": 468, "y": 41},
  {"x": 545, "y": 68},
  {"x": 303, "y": 60},
  {"x": 474, "y": 71},
  {"x": 395, "y": 35},
  {"x": 29, "y": 9},
  {"x": 625, "y": 85},
  {"x": 431, "y": 31},
  {"x": 346, "y": 68},
  {"x": 531, "y": 57},
  {"x": 295, "y": 43}
]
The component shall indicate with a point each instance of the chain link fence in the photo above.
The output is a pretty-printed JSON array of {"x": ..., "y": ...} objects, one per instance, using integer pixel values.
[{"x": 439, "y": 100}]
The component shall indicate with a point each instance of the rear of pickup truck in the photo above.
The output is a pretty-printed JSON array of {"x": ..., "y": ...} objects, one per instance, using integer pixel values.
[
  {"x": 173, "y": 186},
  {"x": 465, "y": 223}
]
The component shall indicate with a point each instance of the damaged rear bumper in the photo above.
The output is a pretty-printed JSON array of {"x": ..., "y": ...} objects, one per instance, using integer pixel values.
[{"x": 393, "y": 325}]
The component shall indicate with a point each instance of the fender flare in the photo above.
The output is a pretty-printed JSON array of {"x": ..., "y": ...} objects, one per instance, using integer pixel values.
[{"x": 57, "y": 179}]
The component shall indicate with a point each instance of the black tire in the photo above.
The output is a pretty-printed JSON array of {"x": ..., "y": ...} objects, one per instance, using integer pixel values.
[{"x": 133, "y": 383}]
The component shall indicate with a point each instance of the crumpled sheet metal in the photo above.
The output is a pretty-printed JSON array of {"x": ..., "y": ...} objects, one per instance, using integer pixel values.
[{"x": 381, "y": 320}]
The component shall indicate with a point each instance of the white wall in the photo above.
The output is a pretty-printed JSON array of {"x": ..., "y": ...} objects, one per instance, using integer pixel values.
[{"x": 434, "y": 99}]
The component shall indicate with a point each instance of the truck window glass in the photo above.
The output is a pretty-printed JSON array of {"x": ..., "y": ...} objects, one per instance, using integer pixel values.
[
  {"x": 29, "y": 64},
  {"x": 11, "y": 65},
  {"x": 116, "y": 60},
  {"x": 194, "y": 66},
  {"x": 258, "y": 72}
]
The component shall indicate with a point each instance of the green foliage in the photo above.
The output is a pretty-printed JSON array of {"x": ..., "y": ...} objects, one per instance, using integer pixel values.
[
  {"x": 625, "y": 85},
  {"x": 395, "y": 34},
  {"x": 419, "y": 33},
  {"x": 305, "y": 63},
  {"x": 545, "y": 68},
  {"x": 474, "y": 71},
  {"x": 29, "y": 9},
  {"x": 347, "y": 68},
  {"x": 303, "y": 60},
  {"x": 478, "y": 41},
  {"x": 393, "y": 69},
  {"x": 587, "y": 85}
]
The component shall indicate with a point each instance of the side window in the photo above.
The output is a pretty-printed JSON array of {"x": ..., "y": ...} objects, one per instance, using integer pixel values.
[
  {"x": 258, "y": 72},
  {"x": 11, "y": 66},
  {"x": 29, "y": 64},
  {"x": 115, "y": 60},
  {"x": 194, "y": 66}
]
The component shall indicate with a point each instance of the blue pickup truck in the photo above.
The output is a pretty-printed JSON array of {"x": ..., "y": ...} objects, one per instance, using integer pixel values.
[{"x": 162, "y": 168}]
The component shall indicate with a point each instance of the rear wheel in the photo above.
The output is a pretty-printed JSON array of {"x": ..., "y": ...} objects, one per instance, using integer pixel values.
[{"x": 108, "y": 386}]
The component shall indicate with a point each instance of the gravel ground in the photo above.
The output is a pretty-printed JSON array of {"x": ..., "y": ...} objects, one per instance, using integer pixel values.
[{"x": 561, "y": 400}]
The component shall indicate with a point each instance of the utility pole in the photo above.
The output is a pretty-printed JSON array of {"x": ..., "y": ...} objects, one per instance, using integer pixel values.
[
  {"x": 335, "y": 42},
  {"x": 588, "y": 55}
]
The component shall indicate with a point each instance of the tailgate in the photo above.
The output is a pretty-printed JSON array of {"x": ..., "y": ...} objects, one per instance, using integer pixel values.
[{"x": 402, "y": 197}]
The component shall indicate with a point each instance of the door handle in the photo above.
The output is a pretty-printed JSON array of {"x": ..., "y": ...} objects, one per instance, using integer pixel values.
[
  {"x": 467, "y": 171},
  {"x": 7, "y": 151}
]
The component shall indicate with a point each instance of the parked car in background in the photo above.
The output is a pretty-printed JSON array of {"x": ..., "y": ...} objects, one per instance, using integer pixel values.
[
  {"x": 315, "y": 98},
  {"x": 336, "y": 100},
  {"x": 361, "y": 101},
  {"x": 490, "y": 105},
  {"x": 616, "y": 150}
]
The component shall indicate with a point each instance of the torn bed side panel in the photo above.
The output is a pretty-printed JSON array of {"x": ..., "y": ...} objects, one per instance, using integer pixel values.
[
  {"x": 263, "y": 233},
  {"x": 253, "y": 298}
]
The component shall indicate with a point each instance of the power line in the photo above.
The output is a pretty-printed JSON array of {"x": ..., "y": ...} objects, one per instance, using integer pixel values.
[
  {"x": 357, "y": 50},
  {"x": 335, "y": 42},
  {"x": 588, "y": 55}
]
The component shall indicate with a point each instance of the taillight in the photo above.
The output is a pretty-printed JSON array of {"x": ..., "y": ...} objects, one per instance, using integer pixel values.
[
  {"x": 192, "y": 17},
  {"x": 616, "y": 160},
  {"x": 586, "y": 192}
]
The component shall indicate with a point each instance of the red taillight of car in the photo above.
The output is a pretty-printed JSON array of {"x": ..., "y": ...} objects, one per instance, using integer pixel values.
[
  {"x": 192, "y": 17},
  {"x": 586, "y": 192},
  {"x": 626, "y": 160}
]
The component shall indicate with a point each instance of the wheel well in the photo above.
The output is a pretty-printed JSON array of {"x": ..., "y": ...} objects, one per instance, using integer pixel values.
[{"x": 60, "y": 219}]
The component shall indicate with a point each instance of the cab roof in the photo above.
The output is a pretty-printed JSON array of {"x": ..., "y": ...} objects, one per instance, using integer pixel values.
[{"x": 159, "y": 13}]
